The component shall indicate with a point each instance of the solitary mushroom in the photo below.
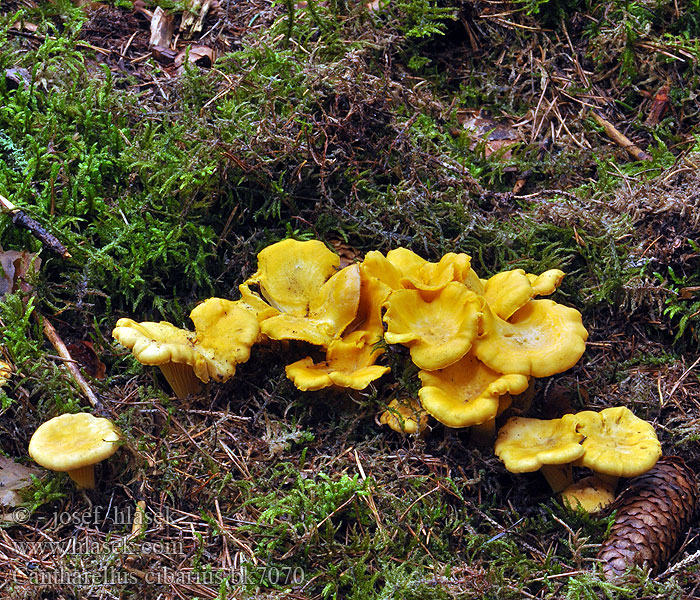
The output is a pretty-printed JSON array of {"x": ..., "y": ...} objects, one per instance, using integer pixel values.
[{"x": 74, "y": 443}]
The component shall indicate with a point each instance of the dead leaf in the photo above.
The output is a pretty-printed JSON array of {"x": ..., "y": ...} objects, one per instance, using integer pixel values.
[
  {"x": 15, "y": 266},
  {"x": 495, "y": 135},
  {"x": 13, "y": 478},
  {"x": 659, "y": 106},
  {"x": 84, "y": 352},
  {"x": 202, "y": 56}
]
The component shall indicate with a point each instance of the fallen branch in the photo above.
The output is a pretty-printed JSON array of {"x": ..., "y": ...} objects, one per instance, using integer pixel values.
[
  {"x": 71, "y": 364},
  {"x": 620, "y": 139},
  {"x": 19, "y": 217}
]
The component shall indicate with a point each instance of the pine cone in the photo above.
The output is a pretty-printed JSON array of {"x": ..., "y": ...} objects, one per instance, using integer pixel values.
[{"x": 653, "y": 512}]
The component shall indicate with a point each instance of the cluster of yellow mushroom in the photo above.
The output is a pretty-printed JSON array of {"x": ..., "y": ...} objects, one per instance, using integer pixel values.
[
  {"x": 612, "y": 443},
  {"x": 475, "y": 341}
]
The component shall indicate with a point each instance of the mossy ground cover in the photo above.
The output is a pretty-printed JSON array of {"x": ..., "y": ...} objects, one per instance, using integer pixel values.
[{"x": 338, "y": 121}]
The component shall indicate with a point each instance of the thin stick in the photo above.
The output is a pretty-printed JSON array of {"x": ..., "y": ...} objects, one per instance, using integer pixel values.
[
  {"x": 19, "y": 217},
  {"x": 621, "y": 140},
  {"x": 70, "y": 364}
]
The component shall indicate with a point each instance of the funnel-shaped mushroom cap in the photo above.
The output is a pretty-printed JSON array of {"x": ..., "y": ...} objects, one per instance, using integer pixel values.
[
  {"x": 331, "y": 309},
  {"x": 290, "y": 273},
  {"x": 71, "y": 442},
  {"x": 165, "y": 346},
  {"x": 254, "y": 304},
  {"x": 156, "y": 343},
  {"x": 541, "y": 339},
  {"x": 378, "y": 266},
  {"x": 225, "y": 333},
  {"x": 405, "y": 416},
  {"x": 617, "y": 443},
  {"x": 467, "y": 392},
  {"x": 373, "y": 294},
  {"x": 508, "y": 291},
  {"x": 428, "y": 277},
  {"x": 349, "y": 363},
  {"x": 525, "y": 445},
  {"x": 439, "y": 332}
]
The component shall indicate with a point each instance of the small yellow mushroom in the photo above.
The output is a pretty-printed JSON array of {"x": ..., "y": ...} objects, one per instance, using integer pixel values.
[
  {"x": 74, "y": 443},
  {"x": 591, "y": 493},
  {"x": 405, "y": 415},
  {"x": 350, "y": 363},
  {"x": 165, "y": 346},
  {"x": 508, "y": 291}
]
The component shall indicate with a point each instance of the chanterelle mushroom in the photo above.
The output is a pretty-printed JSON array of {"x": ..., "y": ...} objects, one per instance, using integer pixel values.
[
  {"x": 438, "y": 332},
  {"x": 617, "y": 443},
  {"x": 540, "y": 339},
  {"x": 165, "y": 346},
  {"x": 591, "y": 493},
  {"x": 74, "y": 443},
  {"x": 526, "y": 445},
  {"x": 467, "y": 393}
]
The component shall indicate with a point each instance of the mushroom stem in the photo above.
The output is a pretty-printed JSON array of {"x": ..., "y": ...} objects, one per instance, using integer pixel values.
[
  {"x": 483, "y": 434},
  {"x": 559, "y": 477},
  {"x": 181, "y": 378},
  {"x": 84, "y": 477}
]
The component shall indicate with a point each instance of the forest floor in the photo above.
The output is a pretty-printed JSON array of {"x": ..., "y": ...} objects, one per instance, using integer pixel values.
[{"x": 165, "y": 143}]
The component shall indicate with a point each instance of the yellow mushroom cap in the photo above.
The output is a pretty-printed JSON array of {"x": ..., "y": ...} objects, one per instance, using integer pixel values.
[
  {"x": 225, "y": 333},
  {"x": 349, "y": 363},
  {"x": 290, "y": 273},
  {"x": 376, "y": 265},
  {"x": 526, "y": 445},
  {"x": 373, "y": 294},
  {"x": 254, "y": 304},
  {"x": 616, "y": 442},
  {"x": 439, "y": 332},
  {"x": 508, "y": 291},
  {"x": 541, "y": 339},
  {"x": 331, "y": 309},
  {"x": 428, "y": 277},
  {"x": 405, "y": 415},
  {"x": 467, "y": 392},
  {"x": 591, "y": 493},
  {"x": 72, "y": 441},
  {"x": 545, "y": 283},
  {"x": 156, "y": 343}
]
